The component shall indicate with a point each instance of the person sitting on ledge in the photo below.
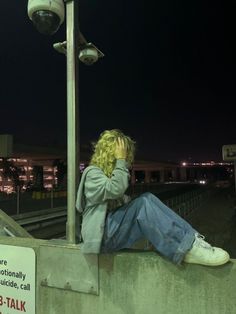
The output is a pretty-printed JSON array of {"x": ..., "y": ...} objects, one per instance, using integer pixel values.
[{"x": 111, "y": 223}]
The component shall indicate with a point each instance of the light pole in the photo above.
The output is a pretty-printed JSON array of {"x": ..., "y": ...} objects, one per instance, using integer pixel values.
[
  {"x": 48, "y": 15},
  {"x": 72, "y": 31}
]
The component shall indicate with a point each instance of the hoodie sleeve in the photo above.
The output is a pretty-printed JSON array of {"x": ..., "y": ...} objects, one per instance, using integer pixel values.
[{"x": 99, "y": 188}]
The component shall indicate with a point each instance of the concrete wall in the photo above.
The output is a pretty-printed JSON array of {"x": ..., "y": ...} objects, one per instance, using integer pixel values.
[
  {"x": 139, "y": 283},
  {"x": 143, "y": 283}
]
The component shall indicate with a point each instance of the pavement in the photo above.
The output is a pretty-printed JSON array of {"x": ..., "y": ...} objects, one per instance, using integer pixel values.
[{"x": 216, "y": 220}]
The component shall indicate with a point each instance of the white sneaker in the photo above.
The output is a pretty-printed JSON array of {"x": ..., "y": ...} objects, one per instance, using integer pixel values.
[{"x": 205, "y": 254}]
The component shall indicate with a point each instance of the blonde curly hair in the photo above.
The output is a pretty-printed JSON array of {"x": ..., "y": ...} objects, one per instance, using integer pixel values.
[{"x": 104, "y": 150}]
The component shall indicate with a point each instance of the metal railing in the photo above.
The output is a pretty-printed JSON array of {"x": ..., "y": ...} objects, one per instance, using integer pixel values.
[
  {"x": 19, "y": 202},
  {"x": 49, "y": 223},
  {"x": 186, "y": 203},
  {"x": 41, "y": 223}
]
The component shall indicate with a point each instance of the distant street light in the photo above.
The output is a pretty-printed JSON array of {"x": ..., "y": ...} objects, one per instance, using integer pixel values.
[{"x": 47, "y": 16}]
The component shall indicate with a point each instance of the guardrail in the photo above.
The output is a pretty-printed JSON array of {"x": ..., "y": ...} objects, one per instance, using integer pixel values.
[
  {"x": 43, "y": 224},
  {"x": 187, "y": 203},
  {"x": 188, "y": 199},
  {"x": 50, "y": 223},
  {"x": 50, "y": 194}
]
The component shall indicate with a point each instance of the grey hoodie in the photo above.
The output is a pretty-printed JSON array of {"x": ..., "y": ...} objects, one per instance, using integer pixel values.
[{"x": 95, "y": 190}]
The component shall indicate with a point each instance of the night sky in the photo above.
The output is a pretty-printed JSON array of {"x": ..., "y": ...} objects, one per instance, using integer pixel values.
[{"x": 167, "y": 78}]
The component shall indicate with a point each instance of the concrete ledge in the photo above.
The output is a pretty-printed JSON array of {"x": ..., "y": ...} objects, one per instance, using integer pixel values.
[
  {"x": 140, "y": 283},
  {"x": 161, "y": 287},
  {"x": 145, "y": 283}
]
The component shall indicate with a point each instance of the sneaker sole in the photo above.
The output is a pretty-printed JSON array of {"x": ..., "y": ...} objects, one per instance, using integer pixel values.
[{"x": 208, "y": 264}]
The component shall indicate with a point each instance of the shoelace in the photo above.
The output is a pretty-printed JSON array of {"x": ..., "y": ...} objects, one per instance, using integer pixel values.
[{"x": 200, "y": 242}]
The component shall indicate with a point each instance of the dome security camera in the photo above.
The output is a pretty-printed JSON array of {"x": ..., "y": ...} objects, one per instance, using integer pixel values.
[
  {"x": 46, "y": 15},
  {"x": 88, "y": 55}
]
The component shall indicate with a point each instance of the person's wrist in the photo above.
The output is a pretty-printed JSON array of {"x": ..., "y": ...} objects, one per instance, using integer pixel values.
[{"x": 121, "y": 157}]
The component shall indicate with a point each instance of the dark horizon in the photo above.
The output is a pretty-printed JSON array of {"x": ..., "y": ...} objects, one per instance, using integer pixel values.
[{"x": 23, "y": 150}]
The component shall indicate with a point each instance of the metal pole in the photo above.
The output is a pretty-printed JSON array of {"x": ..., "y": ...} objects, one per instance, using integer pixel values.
[
  {"x": 72, "y": 32},
  {"x": 52, "y": 196},
  {"x": 18, "y": 200},
  {"x": 235, "y": 176}
]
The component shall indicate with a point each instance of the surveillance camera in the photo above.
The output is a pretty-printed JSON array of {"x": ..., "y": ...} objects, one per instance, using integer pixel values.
[
  {"x": 88, "y": 55},
  {"x": 88, "y": 52},
  {"x": 46, "y": 15}
]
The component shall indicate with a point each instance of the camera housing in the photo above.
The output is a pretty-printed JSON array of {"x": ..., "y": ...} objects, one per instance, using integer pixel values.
[
  {"x": 88, "y": 55},
  {"x": 46, "y": 15},
  {"x": 88, "y": 52}
]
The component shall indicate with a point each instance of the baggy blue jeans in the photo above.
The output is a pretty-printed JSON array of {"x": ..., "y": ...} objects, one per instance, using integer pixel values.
[{"x": 147, "y": 217}]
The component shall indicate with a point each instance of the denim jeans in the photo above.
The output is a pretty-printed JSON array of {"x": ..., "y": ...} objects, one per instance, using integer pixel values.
[{"x": 147, "y": 217}]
